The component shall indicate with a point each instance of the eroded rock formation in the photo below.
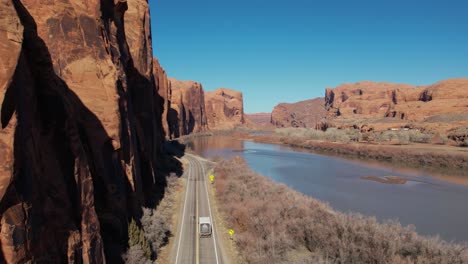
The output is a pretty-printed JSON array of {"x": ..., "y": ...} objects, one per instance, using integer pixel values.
[
  {"x": 440, "y": 106},
  {"x": 378, "y": 100},
  {"x": 186, "y": 112},
  {"x": 306, "y": 113},
  {"x": 81, "y": 128},
  {"x": 224, "y": 109}
]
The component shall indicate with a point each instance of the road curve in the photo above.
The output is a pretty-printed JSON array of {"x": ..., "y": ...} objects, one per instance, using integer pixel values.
[{"x": 188, "y": 246}]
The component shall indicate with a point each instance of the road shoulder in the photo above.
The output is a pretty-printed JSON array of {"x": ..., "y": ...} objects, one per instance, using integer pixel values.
[{"x": 167, "y": 252}]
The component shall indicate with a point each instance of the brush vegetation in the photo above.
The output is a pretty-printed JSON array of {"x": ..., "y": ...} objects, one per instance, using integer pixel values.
[
  {"x": 332, "y": 134},
  {"x": 337, "y": 142},
  {"x": 148, "y": 235},
  {"x": 274, "y": 224}
]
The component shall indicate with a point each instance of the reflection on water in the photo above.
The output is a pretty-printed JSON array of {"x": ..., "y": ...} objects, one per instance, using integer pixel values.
[{"x": 434, "y": 206}]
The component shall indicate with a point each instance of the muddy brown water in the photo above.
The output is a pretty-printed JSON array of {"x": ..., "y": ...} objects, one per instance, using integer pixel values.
[{"x": 434, "y": 206}]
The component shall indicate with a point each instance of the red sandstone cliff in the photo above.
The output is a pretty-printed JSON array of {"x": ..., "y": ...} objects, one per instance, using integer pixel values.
[
  {"x": 306, "y": 113},
  {"x": 163, "y": 86},
  {"x": 186, "y": 112},
  {"x": 440, "y": 106},
  {"x": 224, "y": 108},
  {"x": 81, "y": 128}
]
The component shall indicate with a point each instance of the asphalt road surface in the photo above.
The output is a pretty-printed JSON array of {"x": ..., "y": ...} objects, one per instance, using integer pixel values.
[{"x": 188, "y": 246}]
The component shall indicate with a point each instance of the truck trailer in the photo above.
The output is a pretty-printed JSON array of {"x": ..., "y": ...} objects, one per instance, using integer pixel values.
[{"x": 204, "y": 225}]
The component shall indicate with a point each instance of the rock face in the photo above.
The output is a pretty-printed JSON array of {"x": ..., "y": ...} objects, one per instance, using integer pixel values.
[
  {"x": 377, "y": 100},
  {"x": 306, "y": 113},
  {"x": 163, "y": 86},
  {"x": 81, "y": 128},
  {"x": 224, "y": 108},
  {"x": 445, "y": 101},
  {"x": 186, "y": 112}
]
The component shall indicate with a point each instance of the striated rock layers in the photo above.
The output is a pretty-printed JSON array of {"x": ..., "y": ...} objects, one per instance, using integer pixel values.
[
  {"x": 377, "y": 100},
  {"x": 224, "y": 109},
  {"x": 81, "y": 128},
  {"x": 186, "y": 112},
  {"x": 306, "y": 113}
]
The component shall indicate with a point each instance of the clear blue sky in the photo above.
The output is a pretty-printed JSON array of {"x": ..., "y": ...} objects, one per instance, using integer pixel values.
[{"x": 291, "y": 50}]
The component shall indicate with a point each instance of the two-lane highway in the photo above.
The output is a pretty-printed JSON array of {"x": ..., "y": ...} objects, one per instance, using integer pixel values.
[{"x": 189, "y": 247}]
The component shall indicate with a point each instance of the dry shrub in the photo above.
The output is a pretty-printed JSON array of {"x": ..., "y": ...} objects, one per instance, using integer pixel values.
[
  {"x": 403, "y": 137},
  {"x": 331, "y": 134},
  {"x": 459, "y": 135},
  {"x": 155, "y": 228},
  {"x": 275, "y": 224},
  {"x": 136, "y": 255}
]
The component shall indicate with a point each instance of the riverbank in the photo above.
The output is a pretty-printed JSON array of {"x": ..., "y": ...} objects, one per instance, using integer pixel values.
[
  {"x": 437, "y": 158},
  {"x": 275, "y": 224}
]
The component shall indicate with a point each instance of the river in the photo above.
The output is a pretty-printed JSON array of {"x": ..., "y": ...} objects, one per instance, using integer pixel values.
[{"x": 432, "y": 205}]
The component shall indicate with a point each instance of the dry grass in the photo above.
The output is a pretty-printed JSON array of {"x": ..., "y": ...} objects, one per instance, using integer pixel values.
[
  {"x": 447, "y": 118},
  {"x": 275, "y": 224}
]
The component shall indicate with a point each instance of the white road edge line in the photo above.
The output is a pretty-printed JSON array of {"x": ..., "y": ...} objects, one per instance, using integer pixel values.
[
  {"x": 183, "y": 216},
  {"x": 209, "y": 208}
]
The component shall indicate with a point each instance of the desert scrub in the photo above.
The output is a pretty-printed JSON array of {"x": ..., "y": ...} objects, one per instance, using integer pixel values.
[
  {"x": 275, "y": 224},
  {"x": 331, "y": 134},
  {"x": 154, "y": 230},
  {"x": 459, "y": 135}
]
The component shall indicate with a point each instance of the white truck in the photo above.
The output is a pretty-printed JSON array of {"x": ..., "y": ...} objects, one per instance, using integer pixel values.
[{"x": 204, "y": 224}]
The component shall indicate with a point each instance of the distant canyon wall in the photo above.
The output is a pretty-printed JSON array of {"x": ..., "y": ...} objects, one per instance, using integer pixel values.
[
  {"x": 378, "y": 100},
  {"x": 439, "y": 107},
  {"x": 306, "y": 113},
  {"x": 189, "y": 109},
  {"x": 81, "y": 135},
  {"x": 259, "y": 118},
  {"x": 224, "y": 108},
  {"x": 186, "y": 112}
]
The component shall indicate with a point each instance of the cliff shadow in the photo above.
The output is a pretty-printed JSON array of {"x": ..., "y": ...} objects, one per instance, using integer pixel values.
[
  {"x": 191, "y": 123},
  {"x": 174, "y": 123},
  {"x": 67, "y": 176}
]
